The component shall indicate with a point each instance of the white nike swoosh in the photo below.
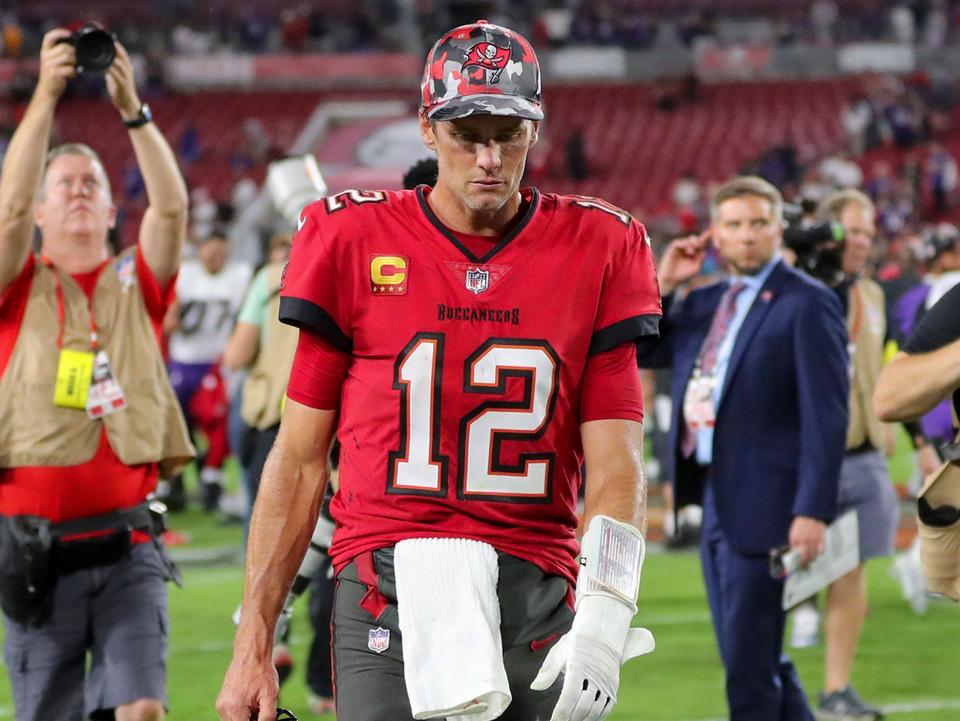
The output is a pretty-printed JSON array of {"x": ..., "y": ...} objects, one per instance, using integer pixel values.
[{"x": 300, "y": 222}]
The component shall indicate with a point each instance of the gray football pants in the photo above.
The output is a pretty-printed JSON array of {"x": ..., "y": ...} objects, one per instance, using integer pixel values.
[{"x": 370, "y": 686}]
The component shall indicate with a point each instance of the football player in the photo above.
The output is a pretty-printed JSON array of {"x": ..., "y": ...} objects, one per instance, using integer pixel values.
[{"x": 472, "y": 345}]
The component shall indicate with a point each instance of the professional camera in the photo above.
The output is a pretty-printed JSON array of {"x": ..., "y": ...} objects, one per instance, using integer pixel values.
[
  {"x": 292, "y": 183},
  {"x": 818, "y": 244},
  {"x": 95, "y": 48},
  {"x": 940, "y": 239}
]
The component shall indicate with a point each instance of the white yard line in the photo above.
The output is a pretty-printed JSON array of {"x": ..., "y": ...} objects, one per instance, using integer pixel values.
[
  {"x": 210, "y": 577},
  {"x": 674, "y": 619},
  {"x": 902, "y": 708},
  {"x": 180, "y": 649},
  {"x": 205, "y": 647},
  {"x": 907, "y": 707}
]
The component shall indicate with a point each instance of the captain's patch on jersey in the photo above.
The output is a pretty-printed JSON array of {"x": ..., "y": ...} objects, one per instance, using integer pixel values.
[
  {"x": 378, "y": 639},
  {"x": 388, "y": 274}
]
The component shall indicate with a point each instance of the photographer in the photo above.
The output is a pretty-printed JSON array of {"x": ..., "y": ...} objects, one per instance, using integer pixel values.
[
  {"x": 87, "y": 416},
  {"x": 865, "y": 484}
]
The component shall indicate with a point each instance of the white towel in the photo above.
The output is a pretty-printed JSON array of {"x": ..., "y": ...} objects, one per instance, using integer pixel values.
[{"x": 450, "y": 625}]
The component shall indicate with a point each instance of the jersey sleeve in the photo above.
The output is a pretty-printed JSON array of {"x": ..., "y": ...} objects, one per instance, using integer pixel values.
[
  {"x": 13, "y": 298},
  {"x": 156, "y": 297},
  {"x": 629, "y": 306},
  {"x": 315, "y": 291},
  {"x": 13, "y": 305},
  {"x": 612, "y": 387},
  {"x": 318, "y": 372}
]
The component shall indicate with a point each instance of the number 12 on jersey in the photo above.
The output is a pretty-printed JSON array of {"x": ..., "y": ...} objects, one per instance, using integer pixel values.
[{"x": 419, "y": 467}]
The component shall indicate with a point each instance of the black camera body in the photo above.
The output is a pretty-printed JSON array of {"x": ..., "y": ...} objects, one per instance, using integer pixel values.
[
  {"x": 818, "y": 245},
  {"x": 95, "y": 48}
]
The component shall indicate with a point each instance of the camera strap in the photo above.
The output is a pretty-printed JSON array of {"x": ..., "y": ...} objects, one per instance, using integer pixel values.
[
  {"x": 85, "y": 380},
  {"x": 137, "y": 518},
  {"x": 62, "y": 311},
  {"x": 855, "y": 322}
]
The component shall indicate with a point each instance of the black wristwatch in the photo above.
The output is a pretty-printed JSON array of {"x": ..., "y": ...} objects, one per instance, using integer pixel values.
[{"x": 144, "y": 116}]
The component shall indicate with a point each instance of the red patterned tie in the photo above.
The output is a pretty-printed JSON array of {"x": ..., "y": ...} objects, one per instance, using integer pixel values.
[{"x": 707, "y": 360}]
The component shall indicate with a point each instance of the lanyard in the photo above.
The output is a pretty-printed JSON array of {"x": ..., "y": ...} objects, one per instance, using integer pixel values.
[
  {"x": 62, "y": 310},
  {"x": 857, "y": 302}
]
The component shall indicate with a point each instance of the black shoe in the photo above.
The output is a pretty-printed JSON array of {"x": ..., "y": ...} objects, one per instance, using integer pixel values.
[
  {"x": 172, "y": 493},
  {"x": 687, "y": 536},
  {"x": 210, "y": 496},
  {"x": 283, "y": 662},
  {"x": 846, "y": 705}
]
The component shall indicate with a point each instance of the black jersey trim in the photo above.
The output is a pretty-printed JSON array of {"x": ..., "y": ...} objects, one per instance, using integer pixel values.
[
  {"x": 446, "y": 233},
  {"x": 634, "y": 328},
  {"x": 302, "y": 313}
]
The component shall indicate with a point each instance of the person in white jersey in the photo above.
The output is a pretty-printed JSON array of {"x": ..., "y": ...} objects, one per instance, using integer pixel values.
[{"x": 210, "y": 289}]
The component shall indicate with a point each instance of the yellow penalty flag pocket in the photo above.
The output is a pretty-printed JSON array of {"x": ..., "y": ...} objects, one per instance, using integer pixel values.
[{"x": 74, "y": 374}]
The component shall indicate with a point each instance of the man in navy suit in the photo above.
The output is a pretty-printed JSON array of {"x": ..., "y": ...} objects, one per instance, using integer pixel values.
[{"x": 760, "y": 389}]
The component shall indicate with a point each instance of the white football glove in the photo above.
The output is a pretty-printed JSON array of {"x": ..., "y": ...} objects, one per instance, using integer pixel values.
[{"x": 589, "y": 656}]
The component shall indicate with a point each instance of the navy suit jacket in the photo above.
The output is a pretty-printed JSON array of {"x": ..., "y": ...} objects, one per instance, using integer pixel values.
[{"x": 782, "y": 416}]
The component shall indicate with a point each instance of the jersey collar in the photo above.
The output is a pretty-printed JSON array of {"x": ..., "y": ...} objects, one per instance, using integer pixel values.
[{"x": 531, "y": 211}]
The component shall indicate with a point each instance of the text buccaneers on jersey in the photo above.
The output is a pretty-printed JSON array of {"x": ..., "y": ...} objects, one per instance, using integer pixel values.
[{"x": 459, "y": 415}]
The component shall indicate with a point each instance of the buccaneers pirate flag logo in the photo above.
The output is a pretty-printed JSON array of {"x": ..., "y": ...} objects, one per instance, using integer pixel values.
[{"x": 489, "y": 57}]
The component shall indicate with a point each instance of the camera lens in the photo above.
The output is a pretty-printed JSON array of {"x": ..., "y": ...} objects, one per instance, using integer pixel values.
[{"x": 95, "y": 49}]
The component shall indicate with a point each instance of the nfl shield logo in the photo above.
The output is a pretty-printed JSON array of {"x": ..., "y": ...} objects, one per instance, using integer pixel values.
[
  {"x": 477, "y": 280},
  {"x": 126, "y": 272},
  {"x": 378, "y": 639}
]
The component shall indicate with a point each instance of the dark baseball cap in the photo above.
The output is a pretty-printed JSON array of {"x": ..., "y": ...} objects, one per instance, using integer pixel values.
[{"x": 481, "y": 69}]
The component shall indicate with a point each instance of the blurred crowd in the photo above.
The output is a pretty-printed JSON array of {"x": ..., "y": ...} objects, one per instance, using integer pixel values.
[
  {"x": 900, "y": 149},
  {"x": 899, "y": 130},
  {"x": 336, "y": 26},
  {"x": 229, "y": 358}
]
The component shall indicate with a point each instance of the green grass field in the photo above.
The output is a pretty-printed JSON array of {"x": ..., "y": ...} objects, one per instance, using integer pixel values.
[
  {"x": 905, "y": 662},
  {"x": 904, "y": 659}
]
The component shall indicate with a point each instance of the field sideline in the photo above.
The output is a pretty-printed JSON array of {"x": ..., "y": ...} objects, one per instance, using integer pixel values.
[{"x": 908, "y": 664}]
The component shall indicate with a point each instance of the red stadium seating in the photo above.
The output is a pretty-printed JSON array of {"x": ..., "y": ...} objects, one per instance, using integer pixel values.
[
  {"x": 636, "y": 151},
  {"x": 218, "y": 117}
]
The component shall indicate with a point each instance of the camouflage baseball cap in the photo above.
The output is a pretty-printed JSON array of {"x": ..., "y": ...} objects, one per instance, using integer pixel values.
[{"x": 481, "y": 69}]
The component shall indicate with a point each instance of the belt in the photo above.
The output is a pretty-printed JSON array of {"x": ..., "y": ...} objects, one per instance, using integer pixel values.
[
  {"x": 865, "y": 447},
  {"x": 105, "y": 539},
  {"x": 142, "y": 517}
]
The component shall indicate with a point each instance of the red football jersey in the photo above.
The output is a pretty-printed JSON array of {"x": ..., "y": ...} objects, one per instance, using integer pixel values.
[{"x": 459, "y": 415}]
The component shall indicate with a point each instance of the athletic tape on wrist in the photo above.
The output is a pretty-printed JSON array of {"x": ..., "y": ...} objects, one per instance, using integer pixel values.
[{"x": 611, "y": 556}]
